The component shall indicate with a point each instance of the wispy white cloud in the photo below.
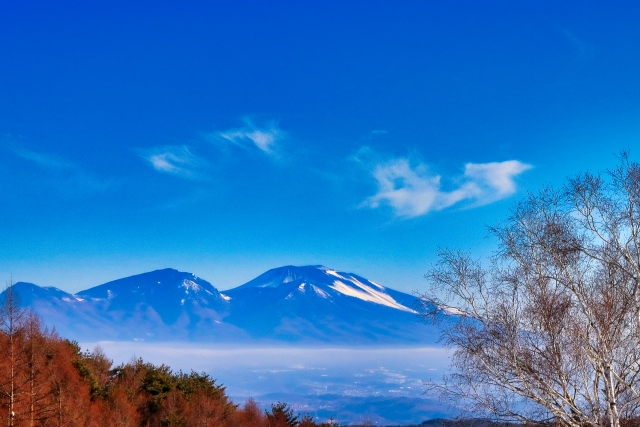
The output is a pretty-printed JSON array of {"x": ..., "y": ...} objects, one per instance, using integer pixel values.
[
  {"x": 182, "y": 160},
  {"x": 45, "y": 160},
  {"x": 63, "y": 174},
  {"x": 176, "y": 160},
  {"x": 411, "y": 190},
  {"x": 265, "y": 138}
]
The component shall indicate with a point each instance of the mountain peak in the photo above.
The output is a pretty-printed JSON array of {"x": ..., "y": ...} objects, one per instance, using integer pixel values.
[
  {"x": 281, "y": 275},
  {"x": 328, "y": 284},
  {"x": 158, "y": 288},
  {"x": 168, "y": 291},
  {"x": 150, "y": 282},
  {"x": 28, "y": 292}
]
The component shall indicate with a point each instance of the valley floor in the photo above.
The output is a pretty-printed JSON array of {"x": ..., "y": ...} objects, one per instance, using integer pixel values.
[{"x": 348, "y": 384}]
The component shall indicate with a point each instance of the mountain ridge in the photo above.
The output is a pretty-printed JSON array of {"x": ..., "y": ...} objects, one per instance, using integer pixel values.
[{"x": 290, "y": 304}]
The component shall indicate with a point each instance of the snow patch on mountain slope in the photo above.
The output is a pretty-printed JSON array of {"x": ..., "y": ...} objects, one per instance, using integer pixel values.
[
  {"x": 353, "y": 279},
  {"x": 367, "y": 293},
  {"x": 320, "y": 292},
  {"x": 374, "y": 283},
  {"x": 363, "y": 291},
  {"x": 332, "y": 273},
  {"x": 454, "y": 311},
  {"x": 189, "y": 285}
]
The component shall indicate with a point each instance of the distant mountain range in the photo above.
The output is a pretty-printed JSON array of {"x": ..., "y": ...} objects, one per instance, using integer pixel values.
[{"x": 286, "y": 305}]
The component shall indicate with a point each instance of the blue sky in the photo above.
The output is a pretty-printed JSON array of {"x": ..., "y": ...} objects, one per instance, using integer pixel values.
[{"x": 226, "y": 138}]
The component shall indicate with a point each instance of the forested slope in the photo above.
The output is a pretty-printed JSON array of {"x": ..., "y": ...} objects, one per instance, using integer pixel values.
[{"x": 46, "y": 380}]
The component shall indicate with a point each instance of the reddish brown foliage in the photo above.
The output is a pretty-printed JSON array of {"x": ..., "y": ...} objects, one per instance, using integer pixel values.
[{"x": 47, "y": 381}]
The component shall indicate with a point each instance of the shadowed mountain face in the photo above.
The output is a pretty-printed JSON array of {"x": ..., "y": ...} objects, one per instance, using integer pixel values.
[
  {"x": 162, "y": 305},
  {"x": 170, "y": 293},
  {"x": 71, "y": 315},
  {"x": 310, "y": 305}
]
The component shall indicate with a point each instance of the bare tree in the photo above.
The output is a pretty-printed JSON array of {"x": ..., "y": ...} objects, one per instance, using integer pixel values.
[
  {"x": 12, "y": 317},
  {"x": 548, "y": 329}
]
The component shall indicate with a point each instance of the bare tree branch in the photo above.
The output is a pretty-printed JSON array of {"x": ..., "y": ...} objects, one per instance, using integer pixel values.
[{"x": 550, "y": 330}]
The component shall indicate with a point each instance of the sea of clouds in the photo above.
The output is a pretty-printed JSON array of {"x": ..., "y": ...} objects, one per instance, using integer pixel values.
[{"x": 383, "y": 384}]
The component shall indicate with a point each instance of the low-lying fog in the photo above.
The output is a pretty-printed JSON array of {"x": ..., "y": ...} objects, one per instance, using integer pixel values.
[{"x": 321, "y": 381}]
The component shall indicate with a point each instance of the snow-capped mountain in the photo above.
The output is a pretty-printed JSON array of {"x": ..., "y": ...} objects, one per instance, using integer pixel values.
[
  {"x": 163, "y": 305},
  {"x": 169, "y": 293},
  {"x": 322, "y": 282},
  {"x": 315, "y": 303},
  {"x": 311, "y": 304},
  {"x": 159, "y": 305}
]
